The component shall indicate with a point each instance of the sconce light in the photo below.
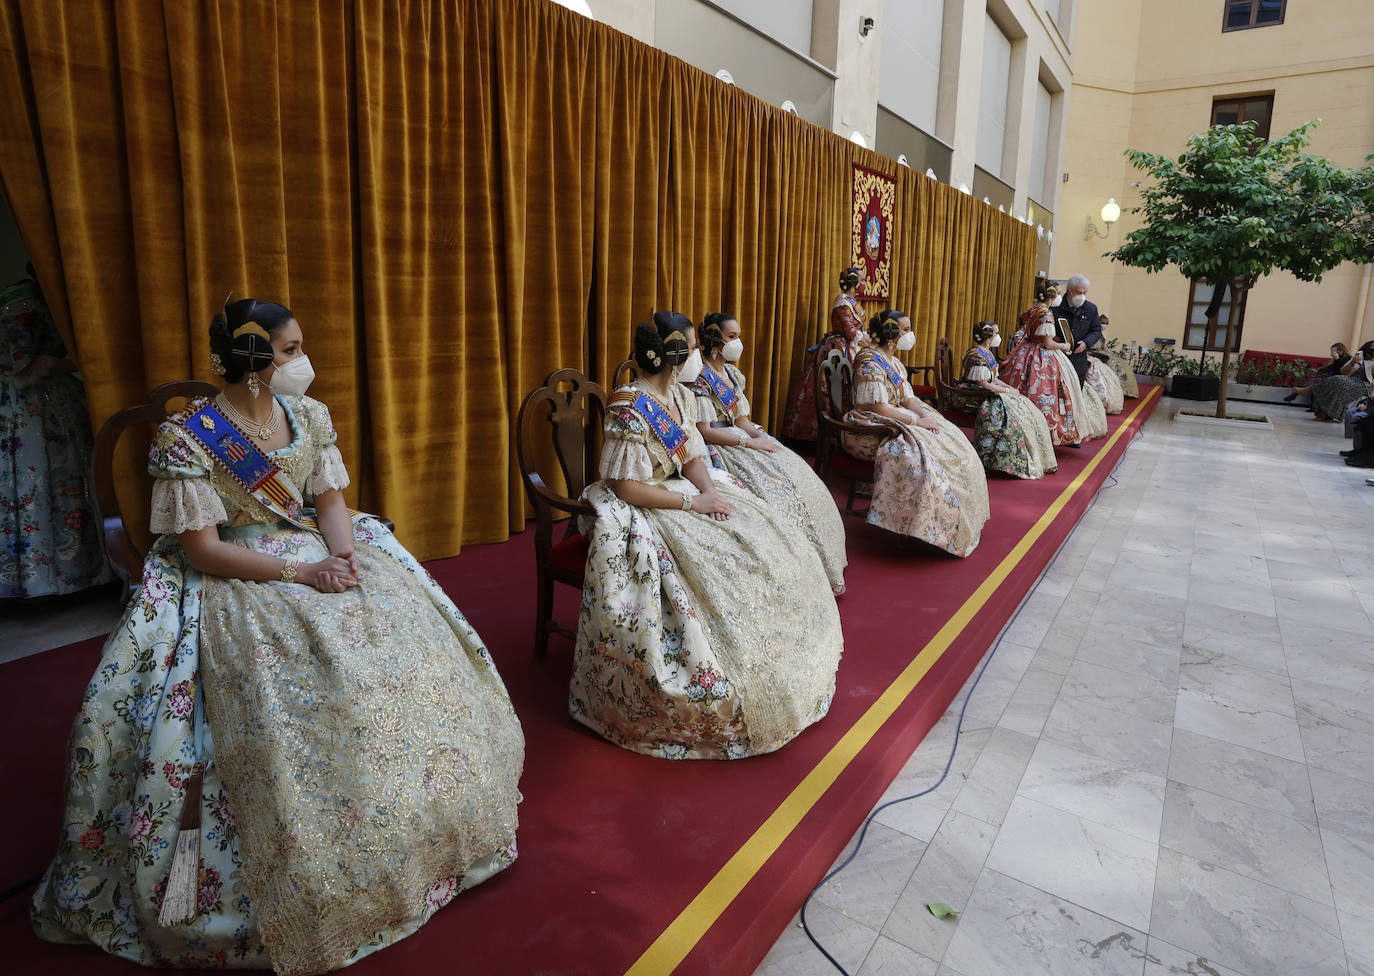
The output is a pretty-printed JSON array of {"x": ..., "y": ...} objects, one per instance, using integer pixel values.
[
  {"x": 724, "y": 75},
  {"x": 1111, "y": 213},
  {"x": 1049, "y": 236},
  {"x": 987, "y": 201},
  {"x": 1001, "y": 208},
  {"x": 901, "y": 160},
  {"x": 963, "y": 188},
  {"x": 866, "y": 25},
  {"x": 1040, "y": 231},
  {"x": 931, "y": 173},
  {"x": 858, "y": 139},
  {"x": 788, "y": 106}
]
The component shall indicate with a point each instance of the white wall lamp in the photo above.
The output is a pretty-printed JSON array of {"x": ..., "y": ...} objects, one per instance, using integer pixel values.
[
  {"x": 930, "y": 171},
  {"x": 901, "y": 160},
  {"x": 788, "y": 106},
  {"x": 858, "y": 139},
  {"x": 724, "y": 75},
  {"x": 1111, "y": 213},
  {"x": 963, "y": 188},
  {"x": 1049, "y": 236},
  {"x": 1040, "y": 231}
]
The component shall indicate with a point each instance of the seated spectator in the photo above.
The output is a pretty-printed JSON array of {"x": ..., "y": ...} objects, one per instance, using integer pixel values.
[
  {"x": 1339, "y": 357},
  {"x": 1332, "y": 394}
]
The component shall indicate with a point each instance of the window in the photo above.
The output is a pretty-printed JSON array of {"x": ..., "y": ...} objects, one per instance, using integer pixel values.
[
  {"x": 1234, "y": 110},
  {"x": 1196, "y": 334},
  {"x": 1244, "y": 14},
  {"x": 992, "y": 98}
]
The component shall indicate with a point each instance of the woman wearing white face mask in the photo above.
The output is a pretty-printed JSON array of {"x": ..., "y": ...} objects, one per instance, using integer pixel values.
[
  {"x": 928, "y": 481},
  {"x": 1038, "y": 369},
  {"x": 364, "y": 756},
  {"x": 741, "y": 447},
  {"x": 1009, "y": 433},
  {"x": 707, "y": 630}
]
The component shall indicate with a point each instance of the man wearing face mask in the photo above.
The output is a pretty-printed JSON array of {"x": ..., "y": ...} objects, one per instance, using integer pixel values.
[{"x": 1084, "y": 323}]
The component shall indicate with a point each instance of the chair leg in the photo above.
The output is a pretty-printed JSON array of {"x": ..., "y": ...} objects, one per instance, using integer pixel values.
[{"x": 543, "y": 611}]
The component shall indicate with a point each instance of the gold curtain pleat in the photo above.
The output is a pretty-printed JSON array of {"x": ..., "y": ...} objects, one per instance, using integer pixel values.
[{"x": 455, "y": 198}]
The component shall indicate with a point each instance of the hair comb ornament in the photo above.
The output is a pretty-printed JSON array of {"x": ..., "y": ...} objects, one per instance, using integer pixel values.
[
  {"x": 216, "y": 364},
  {"x": 252, "y": 328}
]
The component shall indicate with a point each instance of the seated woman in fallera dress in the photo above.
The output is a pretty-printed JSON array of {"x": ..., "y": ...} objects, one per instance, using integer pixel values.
[
  {"x": 1038, "y": 368},
  {"x": 295, "y": 749},
  {"x": 1105, "y": 383},
  {"x": 1009, "y": 433},
  {"x": 1130, "y": 387},
  {"x": 928, "y": 481},
  {"x": 708, "y": 629},
  {"x": 742, "y": 448},
  {"x": 847, "y": 333}
]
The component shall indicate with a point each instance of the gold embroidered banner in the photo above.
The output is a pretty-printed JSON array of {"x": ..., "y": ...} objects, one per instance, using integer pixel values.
[{"x": 875, "y": 196}]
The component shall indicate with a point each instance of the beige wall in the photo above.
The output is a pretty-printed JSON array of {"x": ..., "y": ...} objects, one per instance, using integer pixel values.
[{"x": 1152, "y": 94}]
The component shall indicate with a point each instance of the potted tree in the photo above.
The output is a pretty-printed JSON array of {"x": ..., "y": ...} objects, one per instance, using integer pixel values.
[{"x": 1234, "y": 207}]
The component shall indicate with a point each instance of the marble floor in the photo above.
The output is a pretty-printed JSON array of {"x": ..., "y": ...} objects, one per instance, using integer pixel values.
[{"x": 1168, "y": 766}]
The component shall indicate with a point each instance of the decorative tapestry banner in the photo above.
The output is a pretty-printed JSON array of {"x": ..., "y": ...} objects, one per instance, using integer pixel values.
[{"x": 875, "y": 197}]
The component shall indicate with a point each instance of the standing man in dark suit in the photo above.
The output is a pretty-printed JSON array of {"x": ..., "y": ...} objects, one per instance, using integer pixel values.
[{"x": 1084, "y": 323}]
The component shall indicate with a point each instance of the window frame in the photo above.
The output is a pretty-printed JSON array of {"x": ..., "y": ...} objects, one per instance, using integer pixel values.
[
  {"x": 1214, "y": 335},
  {"x": 1254, "y": 13},
  {"x": 1240, "y": 100}
]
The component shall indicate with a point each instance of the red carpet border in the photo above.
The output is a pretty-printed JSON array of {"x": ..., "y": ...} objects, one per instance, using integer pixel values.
[{"x": 627, "y": 863}]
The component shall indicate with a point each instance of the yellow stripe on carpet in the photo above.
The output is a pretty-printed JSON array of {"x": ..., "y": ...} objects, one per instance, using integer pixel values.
[{"x": 679, "y": 938}]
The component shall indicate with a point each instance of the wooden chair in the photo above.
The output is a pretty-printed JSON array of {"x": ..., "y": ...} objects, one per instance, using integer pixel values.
[
  {"x": 952, "y": 398},
  {"x": 834, "y": 399},
  {"x": 926, "y": 389},
  {"x": 121, "y": 548},
  {"x": 124, "y": 553},
  {"x": 574, "y": 416},
  {"x": 625, "y": 374}
]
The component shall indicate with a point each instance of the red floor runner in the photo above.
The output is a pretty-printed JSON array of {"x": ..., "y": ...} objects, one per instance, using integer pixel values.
[{"x": 613, "y": 846}]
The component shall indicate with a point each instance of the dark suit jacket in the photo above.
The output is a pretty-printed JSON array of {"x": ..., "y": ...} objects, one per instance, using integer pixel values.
[{"x": 1086, "y": 326}]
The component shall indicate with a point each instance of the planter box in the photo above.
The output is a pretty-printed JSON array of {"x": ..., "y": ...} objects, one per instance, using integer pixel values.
[
  {"x": 1195, "y": 387},
  {"x": 1230, "y": 423},
  {"x": 1262, "y": 394},
  {"x": 1145, "y": 379}
]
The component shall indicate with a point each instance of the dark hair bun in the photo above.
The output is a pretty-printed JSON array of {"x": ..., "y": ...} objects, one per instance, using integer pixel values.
[
  {"x": 251, "y": 349},
  {"x": 849, "y": 277},
  {"x": 984, "y": 330},
  {"x": 884, "y": 326},
  {"x": 650, "y": 354},
  {"x": 675, "y": 347},
  {"x": 711, "y": 336}
]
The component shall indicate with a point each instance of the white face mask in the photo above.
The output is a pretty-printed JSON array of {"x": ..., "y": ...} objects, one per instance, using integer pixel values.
[
  {"x": 996, "y": 341},
  {"x": 1057, "y": 300},
  {"x": 691, "y": 369},
  {"x": 1077, "y": 300},
  {"x": 294, "y": 378},
  {"x": 906, "y": 341},
  {"x": 732, "y": 350}
]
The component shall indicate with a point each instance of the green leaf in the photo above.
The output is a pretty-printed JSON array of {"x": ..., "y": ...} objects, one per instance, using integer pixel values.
[{"x": 940, "y": 910}]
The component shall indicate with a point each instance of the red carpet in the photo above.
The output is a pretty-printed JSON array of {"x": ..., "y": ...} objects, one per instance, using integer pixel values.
[{"x": 626, "y": 862}]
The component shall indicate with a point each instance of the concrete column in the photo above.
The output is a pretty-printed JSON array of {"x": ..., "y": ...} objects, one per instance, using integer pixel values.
[
  {"x": 835, "y": 43},
  {"x": 961, "y": 64}
]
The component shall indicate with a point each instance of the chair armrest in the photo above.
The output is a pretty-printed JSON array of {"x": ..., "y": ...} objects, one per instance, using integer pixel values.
[
  {"x": 542, "y": 492},
  {"x": 913, "y": 370},
  {"x": 860, "y": 430}
]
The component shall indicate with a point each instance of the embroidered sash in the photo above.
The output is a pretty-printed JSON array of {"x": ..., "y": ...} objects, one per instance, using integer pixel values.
[
  {"x": 728, "y": 397},
  {"x": 670, "y": 435},
  {"x": 894, "y": 373},
  {"x": 987, "y": 357},
  {"x": 240, "y": 458}
]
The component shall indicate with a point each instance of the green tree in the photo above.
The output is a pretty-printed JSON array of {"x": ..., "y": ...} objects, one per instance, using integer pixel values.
[{"x": 1235, "y": 207}]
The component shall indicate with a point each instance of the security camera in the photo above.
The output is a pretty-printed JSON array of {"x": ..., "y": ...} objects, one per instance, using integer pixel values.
[{"x": 866, "y": 25}]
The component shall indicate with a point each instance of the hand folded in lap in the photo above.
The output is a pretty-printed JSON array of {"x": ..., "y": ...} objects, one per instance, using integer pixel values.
[
  {"x": 762, "y": 444},
  {"x": 333, "y": 575},
  {"x": 712, "y": 504}
]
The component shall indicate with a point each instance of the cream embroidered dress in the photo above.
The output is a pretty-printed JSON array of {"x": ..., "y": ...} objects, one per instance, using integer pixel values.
[
  {"x": 697, "y": 639},
  {"x": 927, "y": 484},
  {"x": 782, "y": 478},
  {"x": 362, "y": 752},
  {"x": 1010, "y": 434},
  {"x": 1107, "y": 385}
]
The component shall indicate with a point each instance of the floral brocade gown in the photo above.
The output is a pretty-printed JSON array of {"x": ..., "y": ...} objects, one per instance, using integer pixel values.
[
  {"x": 1106, "y": 385},
  {"x": 1009, "y": 433},
  {"x": 927, "y": 484},
  {"x": 847, "y": 328},
  {"x": 1047, "y": 378},
  {"x": 697, "y": 639},
  {"x": 1130, "y": 386},
  {"x": 360, "y": 752},
  {"x": 783, "y": 478},
  {"x": 49, "y": 540}
]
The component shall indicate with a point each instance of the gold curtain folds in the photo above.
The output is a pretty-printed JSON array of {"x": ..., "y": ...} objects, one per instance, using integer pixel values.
[{"x": 455, "y": 198}]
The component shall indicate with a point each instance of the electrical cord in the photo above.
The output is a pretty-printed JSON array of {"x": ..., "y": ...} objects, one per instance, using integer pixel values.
[{"x": 954, "y": 746}]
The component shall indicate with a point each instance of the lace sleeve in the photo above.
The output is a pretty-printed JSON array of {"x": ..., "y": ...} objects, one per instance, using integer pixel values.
[
  {"x": 871, "y": 384},
  {"x": 184, "y": 505},
  {"x": 624, "y": 454},
  {"x": 978, "y": 373},
  {"x": 329, "y": 473},
  {"x": 1045, "y": 329},
  {"x": 183, "y": 497}
]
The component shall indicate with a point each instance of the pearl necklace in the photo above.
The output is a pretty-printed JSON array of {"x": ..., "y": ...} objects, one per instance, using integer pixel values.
[{"x": 262, "y": 431}]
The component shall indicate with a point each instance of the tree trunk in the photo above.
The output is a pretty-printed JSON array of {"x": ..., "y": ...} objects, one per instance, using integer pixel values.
[{"x": 1238, "y": 289}]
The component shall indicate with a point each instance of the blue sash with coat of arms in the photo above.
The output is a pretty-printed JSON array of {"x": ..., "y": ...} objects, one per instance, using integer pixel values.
[
  {"x": 670, "y": 435},
  {"x": 894, "y": 373},
  {"x": 722, "y": 391},
  {"x": 241, "y": 459}
]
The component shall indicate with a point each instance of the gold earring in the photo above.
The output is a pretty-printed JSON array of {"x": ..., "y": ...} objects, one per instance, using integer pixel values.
[{"x": 254, "y": 387}]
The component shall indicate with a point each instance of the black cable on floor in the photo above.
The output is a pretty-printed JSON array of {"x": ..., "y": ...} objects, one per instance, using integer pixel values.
[
  {"x": 954, "y": 746},
  {"x": 21, "y": 887}
]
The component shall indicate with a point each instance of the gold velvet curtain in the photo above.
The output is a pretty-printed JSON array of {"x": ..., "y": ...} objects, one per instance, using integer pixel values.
[{"x": 455, "y": 198}]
